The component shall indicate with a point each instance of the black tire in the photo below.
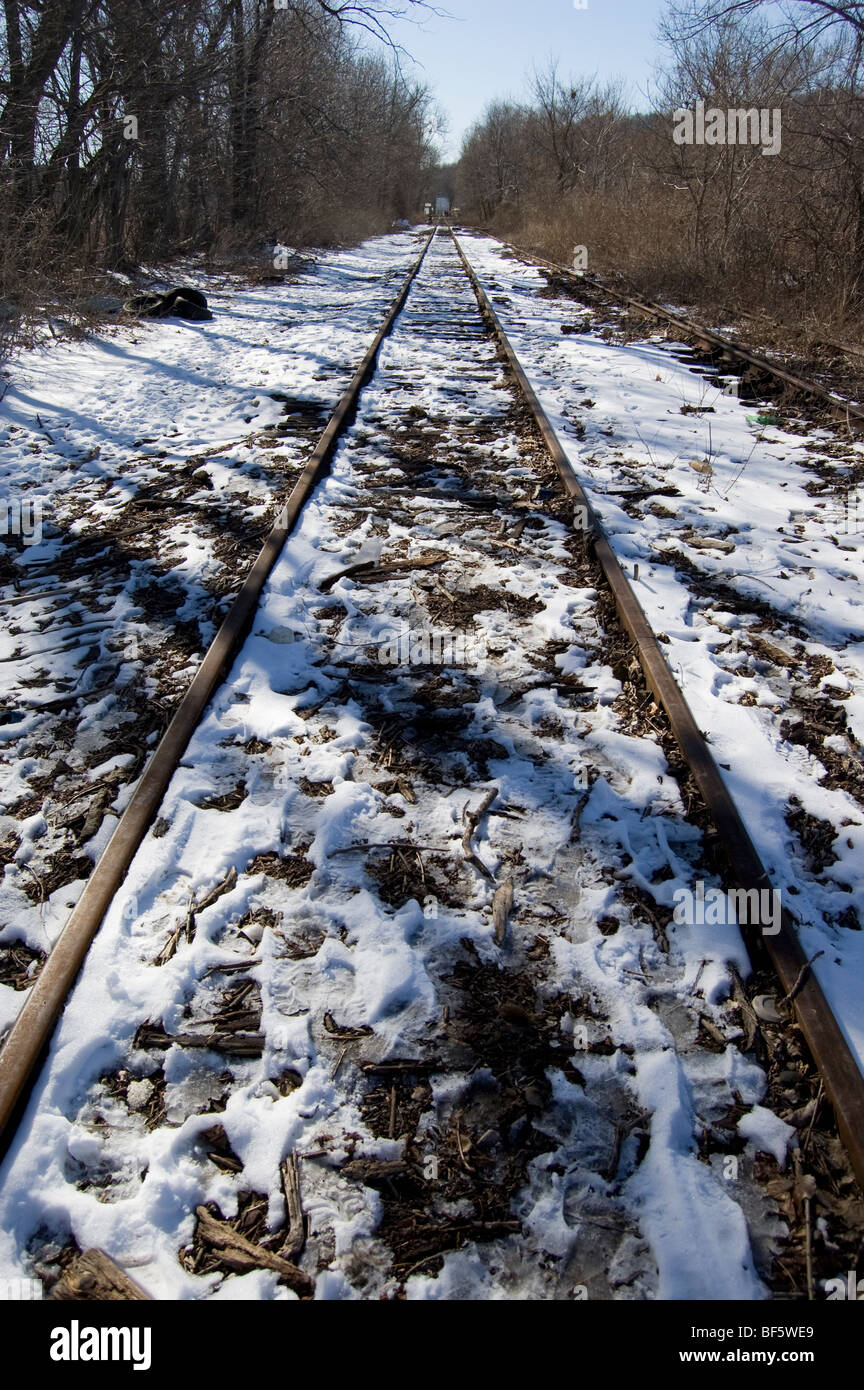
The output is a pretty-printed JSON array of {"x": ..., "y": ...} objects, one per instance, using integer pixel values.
[
  {"x": 194, "y": 297},
  {"x": 185, "y": 308}
]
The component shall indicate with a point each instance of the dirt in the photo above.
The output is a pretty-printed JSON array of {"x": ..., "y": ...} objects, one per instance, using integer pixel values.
[
  {"x": 483, "y": 1147},
  {"x": 20, "y": 965},
  {"x": 294, "y": 870}
]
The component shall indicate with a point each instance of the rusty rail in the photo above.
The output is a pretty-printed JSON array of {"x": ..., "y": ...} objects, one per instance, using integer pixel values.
[
  {"x": 844, "y": 1082},
  {"x": 846, "y": 411},
  {"x": 34, "y": 1025}
]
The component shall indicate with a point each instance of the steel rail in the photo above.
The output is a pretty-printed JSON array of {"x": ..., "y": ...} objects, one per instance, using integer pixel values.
[
  {"x": 848, "y": 412},
  {"x": 35, "y": 1023},
  {"x": 842, "y": 1077}
]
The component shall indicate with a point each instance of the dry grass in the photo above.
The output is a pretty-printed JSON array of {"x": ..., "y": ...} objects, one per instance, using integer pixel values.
[
  {"x": 48, "y": 289},
  {"x": 645, "y": 241}
]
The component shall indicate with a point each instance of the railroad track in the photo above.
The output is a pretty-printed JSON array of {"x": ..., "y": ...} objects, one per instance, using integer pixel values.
[
  {"x": 388, "y": 987},
  {"x": 149, "y": 496},
  {"x": 758, "y": 374}
]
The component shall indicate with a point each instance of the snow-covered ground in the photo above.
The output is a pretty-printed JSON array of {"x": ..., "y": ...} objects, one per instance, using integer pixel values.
[
  {"x": 139, "y": 471},
  {"x": 561, "y": 1120},
  {"x": 748, "y": 541}
]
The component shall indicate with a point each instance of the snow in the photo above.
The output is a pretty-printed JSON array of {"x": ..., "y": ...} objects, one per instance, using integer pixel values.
[
  {"x": 799, "y": 553},
  {"x": 89, "y": 427},
  {"x": 684, "y": 1210},
  {"x": 767, "y": 1133},
  {"x": 631, "y": 1068}
]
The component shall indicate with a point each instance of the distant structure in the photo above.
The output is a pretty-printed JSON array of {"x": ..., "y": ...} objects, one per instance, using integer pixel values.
[{"x": 442, "y": 205}]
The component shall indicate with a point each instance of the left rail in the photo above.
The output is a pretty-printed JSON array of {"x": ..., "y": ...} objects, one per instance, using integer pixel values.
[{"x": 34, "y": 1026}]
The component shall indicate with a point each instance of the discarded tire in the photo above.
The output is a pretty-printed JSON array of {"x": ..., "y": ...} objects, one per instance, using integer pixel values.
[{"x": 182, "y": 303}]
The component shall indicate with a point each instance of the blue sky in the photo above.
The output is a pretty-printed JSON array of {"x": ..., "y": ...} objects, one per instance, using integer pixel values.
[{"x": 489, "y": 47}]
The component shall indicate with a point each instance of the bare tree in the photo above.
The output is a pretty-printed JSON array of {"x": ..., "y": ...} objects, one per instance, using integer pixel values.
[
  {"x": 496, "y": 159},
  {"x": 127, "y": 130},
  {"x": 712, "y": 221},
  {"x": 799, "y": 21}
]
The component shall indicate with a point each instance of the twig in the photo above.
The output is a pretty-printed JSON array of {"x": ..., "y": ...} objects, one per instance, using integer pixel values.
[
  {"x": 384, "y": 844},
  {"x": 39, "y": 884},
  {"x": 231, "y": 968},
  {"x": 427, "y": 1259},
  {"x": 502, "y": 906},
  {"x": 295, "y": 1240},
  {"x": 465, "y": 1162},
  {"x": 170, "y": 947},
  {"x": 189, "y": 926},
  {"x": 819, "y": 1095},
  {"x": 216, "y": 893},
  {"x": 712, "y": 1030},
  {"x": 398, "y": 1068},
  {"x": 802, "y": 977},
  {"x": 472, "y": 821}
]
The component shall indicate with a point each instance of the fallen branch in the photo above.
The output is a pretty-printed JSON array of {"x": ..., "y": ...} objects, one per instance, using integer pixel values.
[
  {"x": 803, "y": 977},
  {"x": 242, "y": 1255},
  {"x": 472, "y": 820},
  {"x": 231, "y": 1044},
  {"x": 344, "y": 1033},
  {"x": 295, "y": 1240},
  {"x": 409, "y": 1065},
  {"x": 370, "y": 1171},
  {"x": 94, "y": 1276},
  {"x": 219, "y": 891},
  {"x": 502, "y": 906},
  {"x": 371, "y": 571}
]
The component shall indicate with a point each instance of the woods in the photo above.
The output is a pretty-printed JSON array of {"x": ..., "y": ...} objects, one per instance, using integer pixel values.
[
  {"x": 733, "y": 223},
  {"x": 129, "y": 131}
]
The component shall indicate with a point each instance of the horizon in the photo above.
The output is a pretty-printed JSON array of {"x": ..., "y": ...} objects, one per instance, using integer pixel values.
[{"x": 612, "y": 39}]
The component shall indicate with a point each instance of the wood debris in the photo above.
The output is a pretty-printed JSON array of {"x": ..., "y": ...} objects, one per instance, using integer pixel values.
[
  {"x": 242, "y": 1255},
  {"x": 295, "y": 1240},
  {"x": 502, "y": 906},
  {"x": 372, "y": 571},
  {"x": 94, "y": 1277},
  {"x": 472, "y": 820},
  {"x": 231, "y": 1044}
]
